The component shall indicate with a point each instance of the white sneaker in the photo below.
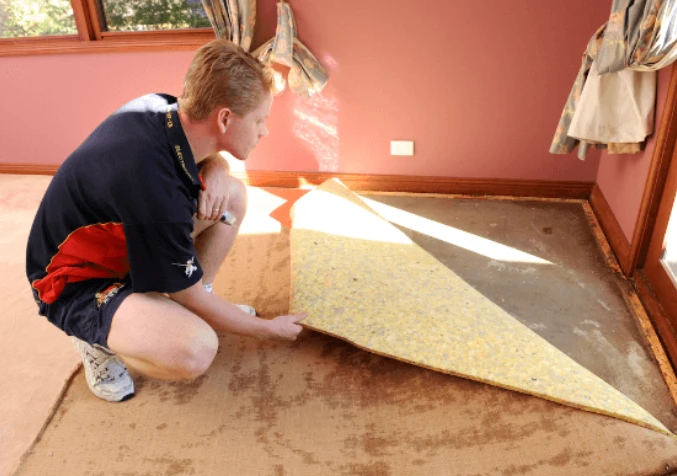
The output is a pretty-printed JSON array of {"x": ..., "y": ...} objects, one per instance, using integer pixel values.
[
  {"x": 244, "y": 307},
  {"x": 107, "y": 377},
  {"x": 247, "y": 308}
]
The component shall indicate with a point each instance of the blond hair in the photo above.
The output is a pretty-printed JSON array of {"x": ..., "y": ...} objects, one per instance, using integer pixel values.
[{"x": 222, "y": 74}]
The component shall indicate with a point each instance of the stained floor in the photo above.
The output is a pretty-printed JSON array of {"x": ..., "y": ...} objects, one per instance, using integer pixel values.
[
  {"x": 321, "y": 406},
  {"x": 576, "y": 303}
]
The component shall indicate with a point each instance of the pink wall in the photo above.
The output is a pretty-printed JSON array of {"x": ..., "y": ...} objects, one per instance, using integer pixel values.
[
  {"x": 51, "y": 103},
  {"x": 622, "y": 178},
  {"x": 478, "y": 85}
]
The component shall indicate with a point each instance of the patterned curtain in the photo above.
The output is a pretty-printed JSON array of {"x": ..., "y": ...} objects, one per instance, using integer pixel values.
[
  {"x": 232, "y": 19},
  {"x": 641, "y": 35},
  {"x": 306, "y": 75}
]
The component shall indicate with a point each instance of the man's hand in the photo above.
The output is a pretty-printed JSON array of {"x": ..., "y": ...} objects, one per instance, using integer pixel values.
[
  {"x": 213, "y": 200},
  {"x": 286, "y": 327},
  {"x": 223, "y": 316}
]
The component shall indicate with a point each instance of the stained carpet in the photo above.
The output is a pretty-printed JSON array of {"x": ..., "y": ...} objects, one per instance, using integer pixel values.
[{"x": 323, "y": 406}]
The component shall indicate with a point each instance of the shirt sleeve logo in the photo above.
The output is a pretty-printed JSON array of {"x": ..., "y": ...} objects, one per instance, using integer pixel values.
[{"x": 189, "y": 266}]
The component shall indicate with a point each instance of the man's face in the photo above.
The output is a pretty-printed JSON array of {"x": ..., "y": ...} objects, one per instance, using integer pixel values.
[{"x": 243, "y": 133}]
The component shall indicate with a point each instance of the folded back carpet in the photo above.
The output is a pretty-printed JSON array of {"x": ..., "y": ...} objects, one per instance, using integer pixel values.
[{"x": 363, "y": 280}]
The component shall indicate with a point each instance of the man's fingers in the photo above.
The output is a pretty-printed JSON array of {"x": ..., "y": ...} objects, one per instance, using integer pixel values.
[
  {"x": 206, "y": 205},
  {"x": 298, "y": 317},
  {"x": 287, "y": 327},
  {"x": 295, "y": 327},
  {"x": 213, "y": 209},
  {"x": 210, "y": 208}
]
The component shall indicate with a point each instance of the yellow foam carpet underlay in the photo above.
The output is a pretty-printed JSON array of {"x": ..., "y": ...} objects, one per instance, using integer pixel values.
[{"x": 361, "y": 279}]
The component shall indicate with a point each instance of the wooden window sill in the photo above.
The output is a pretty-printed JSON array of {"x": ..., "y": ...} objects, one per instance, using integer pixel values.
[{"x": 110, "y": 42}]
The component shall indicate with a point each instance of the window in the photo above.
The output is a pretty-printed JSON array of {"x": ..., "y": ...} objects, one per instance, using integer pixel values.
[
  {"x": 144, "y": 15},
  {"x": 24, "y": 18},
  {"x": 63, "y": 26}
]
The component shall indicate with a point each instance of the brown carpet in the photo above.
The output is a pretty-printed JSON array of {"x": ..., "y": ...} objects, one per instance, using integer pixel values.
[
  {"x": 321, "y": 406},
  {"x": 37, "y": 359}
]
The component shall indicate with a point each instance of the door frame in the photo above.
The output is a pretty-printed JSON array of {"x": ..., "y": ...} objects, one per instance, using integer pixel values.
[
  {"x": 652, "y": 282},
  {"x": 655, "y": 181},
  {"x": 656, "y": 275}
]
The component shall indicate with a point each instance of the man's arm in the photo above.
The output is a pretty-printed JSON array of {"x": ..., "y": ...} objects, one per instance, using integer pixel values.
[{"x": 226, "y": 317}]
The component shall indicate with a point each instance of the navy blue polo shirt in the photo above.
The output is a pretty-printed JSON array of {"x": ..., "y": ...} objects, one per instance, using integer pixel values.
[{"x": 120, "y": 206}]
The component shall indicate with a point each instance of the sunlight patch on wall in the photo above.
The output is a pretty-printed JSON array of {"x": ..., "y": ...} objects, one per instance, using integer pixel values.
[{"x": 316, "y": 123}]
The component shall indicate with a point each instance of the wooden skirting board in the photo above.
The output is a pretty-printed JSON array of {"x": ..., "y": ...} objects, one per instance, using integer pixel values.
[
  {"x": 612, "y": 229},
  {"x": 28, "y": 169},
  {"x": 657, "y": 317}
]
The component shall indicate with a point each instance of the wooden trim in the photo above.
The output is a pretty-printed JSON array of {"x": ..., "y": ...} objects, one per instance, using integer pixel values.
[
  {"x": 650, "y": 235},
  {"x": 384, "y": 183},
  {"x": 419, "y": 184},
  {"x": 34, "y": 45},
  {"x": 655, "y": 182},
  {"x": 94, "y": 16},
  {"x": 651, "y": 338},
  {"x": 157, "y": 36},
  {"x": 28, "y": 169},
  {"x": 655, "y": 271},
  {"x": 91, "y": 38},
  {"x": 658, "y": 238},
  {"x": 112, "y": 42},
  {"x": 659, "y": 319},
  {"x": 82, "y": 20},
  {"x": 663, "y": 287},
  {"x": 612, "y": 229}
]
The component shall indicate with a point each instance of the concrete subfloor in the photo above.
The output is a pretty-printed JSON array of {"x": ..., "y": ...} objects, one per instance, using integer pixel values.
[{"x": 576, "y": 302}]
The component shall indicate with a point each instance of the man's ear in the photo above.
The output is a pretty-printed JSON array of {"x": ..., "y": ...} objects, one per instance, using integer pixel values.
[{"x": 222, "y": 118}]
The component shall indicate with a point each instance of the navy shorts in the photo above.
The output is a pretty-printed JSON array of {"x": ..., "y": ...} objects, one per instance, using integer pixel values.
[{"x": 86, "y": 309}]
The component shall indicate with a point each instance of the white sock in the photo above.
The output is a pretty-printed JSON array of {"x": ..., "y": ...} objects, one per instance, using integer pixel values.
[{"x": 208, "y": 288}]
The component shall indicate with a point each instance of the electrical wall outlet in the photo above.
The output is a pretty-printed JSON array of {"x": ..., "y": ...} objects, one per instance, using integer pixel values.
[{"x": 401, "y": 147}]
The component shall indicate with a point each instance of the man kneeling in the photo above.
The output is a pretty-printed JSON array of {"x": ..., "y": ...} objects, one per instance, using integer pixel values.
[{"x": 128, "y": 237}]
